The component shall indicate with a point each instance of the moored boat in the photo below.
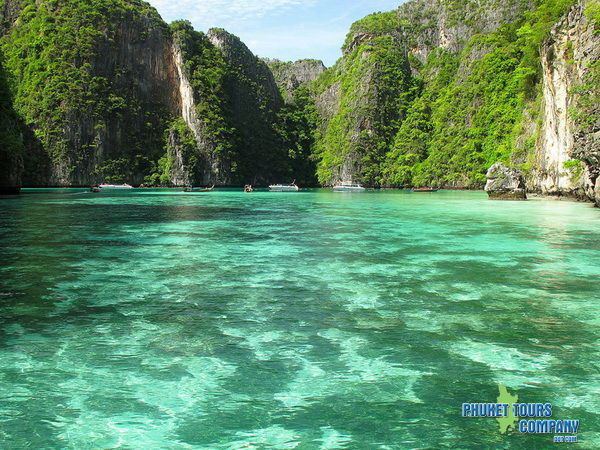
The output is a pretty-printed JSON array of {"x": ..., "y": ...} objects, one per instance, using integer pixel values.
[
  {"x": 193, "y": 189},
  {"x": 284, "y": 187},
  {"x": 115, "y": 186},
  {"x": 425, "y": 189},
  {"x": 348, "y": 186}
]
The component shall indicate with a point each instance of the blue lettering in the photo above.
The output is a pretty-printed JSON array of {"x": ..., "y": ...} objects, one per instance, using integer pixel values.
[
  {"x": 571, "y": 426},
  {"x": 466, "y": 408},
  {"x": 523, "y": 426},
  {"x": 523, "y": 410}
]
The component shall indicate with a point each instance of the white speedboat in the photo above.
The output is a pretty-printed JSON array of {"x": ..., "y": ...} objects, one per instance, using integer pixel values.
[
  {"x": 115, "y": 186},
  {"x": 348, "y": 186},
  {"x": 284, "y": 188}
]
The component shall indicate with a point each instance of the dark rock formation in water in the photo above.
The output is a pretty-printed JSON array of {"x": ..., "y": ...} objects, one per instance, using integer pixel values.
[{"x": 505, "y": 183}]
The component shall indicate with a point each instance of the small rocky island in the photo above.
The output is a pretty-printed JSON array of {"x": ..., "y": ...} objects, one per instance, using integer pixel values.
[{"x": 505, "y": 183}]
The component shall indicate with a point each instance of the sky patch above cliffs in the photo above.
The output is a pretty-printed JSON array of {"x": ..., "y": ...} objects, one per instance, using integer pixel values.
[{"x": 283, "y": 29}]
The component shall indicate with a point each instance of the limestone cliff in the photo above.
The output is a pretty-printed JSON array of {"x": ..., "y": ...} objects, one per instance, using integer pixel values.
[
  {"x": 433, "y": 93},
  {"x": 567, "y": 60},
  {"x": 254, "y": 101},
  {"x": 122, "y": 98},
  {"x": 425, "y": 25},
  {"x": 11, "y": 141},
  {"x": 289, "y": 76},
  {"x": 230, "y": 102},
  {"x": 436, "y": 92},
  {"x": 200, "y": 162},
  {"x": 366, "y": 96},
  {"x": 96, "y": 99}
]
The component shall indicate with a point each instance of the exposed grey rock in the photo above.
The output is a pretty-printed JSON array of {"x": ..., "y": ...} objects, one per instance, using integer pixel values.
[
  {"x": 179, "y": 174},
  {"x": 214, "y": 170},
  {"x": 9, "y": 12},
  {"x": 239, "y": 55},
  {"x": 505, "y": 183},
  {"x": 449, "y": 25},
  {"x": 136, "y": 58},
  {"x": 289, "y": 76}
]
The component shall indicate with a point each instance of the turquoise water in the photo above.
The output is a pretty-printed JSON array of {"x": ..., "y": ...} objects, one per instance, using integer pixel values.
[{"x": 160, "y": 319}]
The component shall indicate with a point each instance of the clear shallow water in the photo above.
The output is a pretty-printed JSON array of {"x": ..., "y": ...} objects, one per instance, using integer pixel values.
[{"x": 159, "y": 319}]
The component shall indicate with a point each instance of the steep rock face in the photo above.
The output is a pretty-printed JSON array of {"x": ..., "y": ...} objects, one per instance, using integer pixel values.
[
  {"x": 230, "y": 102},
  {"x": 9, "y": 12},
  {"x": 430, "y": 24},
  {"x": 253, "y": 72},
  {"x": 100, "y": 108},
  {"x": 179, "y": 176},
  {"x": 182, "y": 159},
  {"x": 361, "y": 102},
  {"x": 383, "y": 56},
  {"x": 586, "y": 115},
  {"x": 11, "y": 142},
  {"x": 254, "y": 101},
  {"x": 107, "y": 92},
  {"x": 212, "y": 170},
  {"x": 289, "y": 76},
  {"x": 566, "y": 60}
]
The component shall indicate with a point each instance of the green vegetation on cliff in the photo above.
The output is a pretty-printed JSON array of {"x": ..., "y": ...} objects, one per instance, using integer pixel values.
[
  {"x": 210, "y": 76},
  {"x": 376, "y": 90},
  {"x": 246, "y": 130},
  {"x": 66, "y": 92},
  {"x": 297, "y": 129},
  {"x": 208, "y": 73},
  {"x": 11, "y": 140},
  {"x": 97, "y": 88},
  {"x": 472, "y": 118},
  {"x": 430, "y": 94},
  {"x": 443, "y": 121},
  {"x": 180, "y": 141},
  {"x": 254, "y": 103}
]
